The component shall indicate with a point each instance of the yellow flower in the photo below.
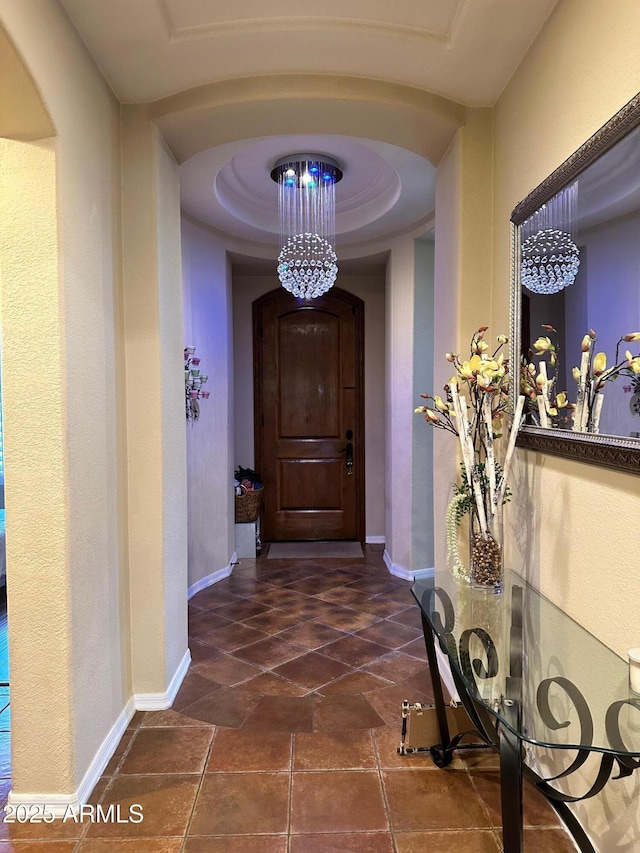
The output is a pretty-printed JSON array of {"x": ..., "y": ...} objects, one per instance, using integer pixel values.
[
  {"x": 440, "y": 404},
  {"x": 551, "y": 409},
  {"x": 586, "y": 343},
  {"x": 430, "y": 416},
  {"x": 470, "y": 368},
  {"x": 576, "y": 373},
  {"x": 632, "y": 336},
  {"x": 481, "y": 346},
  {"x": 634, "y": 362},
  {"x": 540, "y": 380},
  {"x": 542, "y": 344},
  {"x": 502, "y": 339},
  {"x": 561, "y": 400},
  {"x": 419, "y": 410},
  {"x": 600, "y": 364}
]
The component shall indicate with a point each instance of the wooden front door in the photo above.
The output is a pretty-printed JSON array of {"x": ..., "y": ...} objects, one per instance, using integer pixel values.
[{"x": 309, "y": 422}]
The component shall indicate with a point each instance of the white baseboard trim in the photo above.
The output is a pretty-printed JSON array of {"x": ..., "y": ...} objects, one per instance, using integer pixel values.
[
  {"x": 214, "y": 577},
  {"x": 399, "y": 571},
  {"x": 164, "y": 700},
  {"x": 374, "y": 540},
  {"x": 395, "y": 569},
  {"x": 65, "y": 806},
  {"x": 424, "y": 573}
]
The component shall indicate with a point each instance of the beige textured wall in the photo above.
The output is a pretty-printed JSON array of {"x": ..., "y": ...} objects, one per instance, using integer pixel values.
[
  {"x": 60, "y": 261},
  {"x": 581, "y": 541},
  {"x": 463, "y": 279},
  {"x": 370, "y": 288},
  {"x": 589, "y": 58},
  {"x": 446, "y": 298},
  {"x": 207, "y": 326},
  {"x": 156, "y": 443},
  {"x": 23, "y": 115},
  {"x": 172, "y": 609},
  {"x": 36, "y": 468}
]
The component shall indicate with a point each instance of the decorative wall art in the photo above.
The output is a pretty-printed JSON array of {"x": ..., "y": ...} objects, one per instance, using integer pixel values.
[{"x": 194, "y": 379}]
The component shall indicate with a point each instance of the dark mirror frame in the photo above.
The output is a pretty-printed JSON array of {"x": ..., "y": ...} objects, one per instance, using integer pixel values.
[{"x": 616, "y": 452}]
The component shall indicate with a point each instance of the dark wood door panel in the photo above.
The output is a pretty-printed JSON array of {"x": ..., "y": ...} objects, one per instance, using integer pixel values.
[
  {"x": 310, "y": 484},
  {"x": 310, "y": 525},
  {"x": 308, "y": 380},
  {"x": 309, "y": 448},
  {"x": 308, "y": 396}
]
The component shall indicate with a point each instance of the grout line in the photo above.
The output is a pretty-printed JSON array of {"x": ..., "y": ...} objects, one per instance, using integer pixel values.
[
  {"x": 483, "y": 805},
  {"x": 199, "y": 788},
  {"x": 290, "y": 803},
  {"x": 383, "y": 789},
  {"x": 85, "y": 831}
]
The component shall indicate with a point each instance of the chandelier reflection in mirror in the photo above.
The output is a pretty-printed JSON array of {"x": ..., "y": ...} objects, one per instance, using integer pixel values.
[
  {"x": 307, "y": 263},
  {"x": 549, "y": 256}
]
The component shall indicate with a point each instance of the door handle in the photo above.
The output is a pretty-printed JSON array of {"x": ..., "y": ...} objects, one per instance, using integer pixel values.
[{"x": 349, "y": 452}]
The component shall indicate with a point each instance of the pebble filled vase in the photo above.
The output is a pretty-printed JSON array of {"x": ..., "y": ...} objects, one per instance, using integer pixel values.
[{"x": 486, "y": 552}]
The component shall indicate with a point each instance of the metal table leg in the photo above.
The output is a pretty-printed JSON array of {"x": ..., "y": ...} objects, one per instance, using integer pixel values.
[
  {"x": 441, "y": 756},
  {"x": 511, "y": 767}
]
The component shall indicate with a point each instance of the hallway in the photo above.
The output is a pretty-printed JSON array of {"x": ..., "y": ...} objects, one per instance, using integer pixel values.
[{"x": 283, "y": 736}]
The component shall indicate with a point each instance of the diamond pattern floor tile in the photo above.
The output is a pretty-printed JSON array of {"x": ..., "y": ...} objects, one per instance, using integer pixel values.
[{"x": 283, "y": 737}]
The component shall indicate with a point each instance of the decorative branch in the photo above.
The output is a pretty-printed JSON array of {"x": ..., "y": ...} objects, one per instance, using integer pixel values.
[
  {"x": 593, "y": 375},
  {"x": 476, "y": 418}
]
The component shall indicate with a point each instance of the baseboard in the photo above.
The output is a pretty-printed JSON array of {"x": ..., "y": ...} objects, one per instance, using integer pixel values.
[
  {"x": 399, "y": 571},
  {"x": 164, "y": 700},
  {"x": 67, "y": 805},
  {"x": 214, "y": 577},
  {"x": 396, "y": 569},
  {"x": 374, "y": 540},
  {"x": 424, "y": 573}
]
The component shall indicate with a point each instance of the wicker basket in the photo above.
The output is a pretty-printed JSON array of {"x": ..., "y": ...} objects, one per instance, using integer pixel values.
[{"x": 248, "y": 505}]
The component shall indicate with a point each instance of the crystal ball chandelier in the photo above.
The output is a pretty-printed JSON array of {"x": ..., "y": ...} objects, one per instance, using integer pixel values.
[
  {"x": 549, "y": 261},
  {"x": 307, "y": 263}
]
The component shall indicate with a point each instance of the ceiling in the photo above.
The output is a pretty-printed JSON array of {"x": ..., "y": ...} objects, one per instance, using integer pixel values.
[
  {"x": 463, "y": 50},
  {"x": 385, "y": 189}
]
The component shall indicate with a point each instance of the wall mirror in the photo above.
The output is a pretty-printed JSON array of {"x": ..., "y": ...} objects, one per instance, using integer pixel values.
[{"x": 575, "y": 301}]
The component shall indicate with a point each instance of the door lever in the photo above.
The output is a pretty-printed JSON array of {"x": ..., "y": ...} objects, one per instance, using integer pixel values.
[{"x": 349, "y": 451}]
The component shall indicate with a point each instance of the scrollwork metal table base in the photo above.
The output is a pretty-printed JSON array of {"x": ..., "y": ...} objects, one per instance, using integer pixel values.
[{"x": 501, "y": 727}]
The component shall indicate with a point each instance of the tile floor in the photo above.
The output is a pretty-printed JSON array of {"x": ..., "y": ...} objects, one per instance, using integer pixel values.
[{"x": 283, "y": 736}]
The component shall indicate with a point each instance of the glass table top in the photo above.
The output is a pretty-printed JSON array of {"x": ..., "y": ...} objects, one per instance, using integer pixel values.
[{"x": 572, "y": 690}]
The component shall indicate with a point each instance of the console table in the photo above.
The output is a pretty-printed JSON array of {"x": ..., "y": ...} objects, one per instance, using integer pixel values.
[{"x": 531, "y": 679}]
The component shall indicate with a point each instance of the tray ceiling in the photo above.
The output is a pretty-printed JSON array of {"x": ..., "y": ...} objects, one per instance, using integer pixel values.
[{"x": 465, "y": 50}]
